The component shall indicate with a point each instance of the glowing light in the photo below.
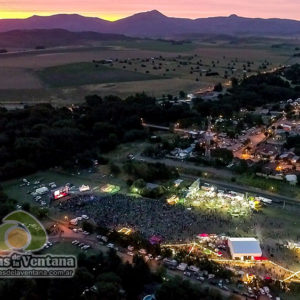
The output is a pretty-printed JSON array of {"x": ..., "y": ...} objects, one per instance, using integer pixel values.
[
  {"x": 84, "y": 188},
  {"x": 110, "y": 188},
  {"x": 196, "y": 203},
  {"x": 245, "y": 156},
  {"x": 173, "y": 200},
  {"x": 60, "y": 193},
  {"x": 125, "y": 230}
]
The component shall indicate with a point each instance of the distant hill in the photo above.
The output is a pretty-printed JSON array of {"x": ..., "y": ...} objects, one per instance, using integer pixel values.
[
  {"x": 52, "y": 38},
  {"x": 155, "y": 24}
]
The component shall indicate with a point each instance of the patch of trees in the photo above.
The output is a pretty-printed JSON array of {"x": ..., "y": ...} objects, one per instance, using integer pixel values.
[
  {"x": 293, "y": 142},
  {"x": 252, "y": 92},
  {"x": 218, "y": 87},
  {"x": 149, "y": 172},
  {"x": 42, "y": 136},
  {"x": 293, "y": 73},
  {"x": 97, "y": 277},
  {"x": 224, "y": 155},
  {"x": 212, "y": 74},
  {"x": 7, "y": 205},
  {"x": 180, "y": 289}
]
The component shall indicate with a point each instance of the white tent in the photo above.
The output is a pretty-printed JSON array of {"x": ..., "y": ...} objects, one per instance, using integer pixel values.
[
  {"x": 42, "y": 190},
  {"x": 244, "y": 248},
  {"x": 291, "y": 179}
]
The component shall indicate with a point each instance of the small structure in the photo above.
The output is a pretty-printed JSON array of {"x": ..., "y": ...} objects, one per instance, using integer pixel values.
[
  {"x": 154, "y": 240},
  {"x": 194, "y": 188},
  {"x": 173, "y": 200},
  {"x": 291, "y": 179},
  {"x": 244, "y": 248},
  {"x": 182, "y": 267},
  {"x": 60, "y": 192},
  {"x": 110, "y": 188},
  {"x": 84, "y": 188},
  {"x": 203, "y": 236},
  {"x": 177, "y": 182},
  {"x": 41, "y": 191},
  {"x": 152, "y": 186}
]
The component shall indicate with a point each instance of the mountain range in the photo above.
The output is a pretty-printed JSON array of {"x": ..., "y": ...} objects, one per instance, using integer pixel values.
[
  {"x": 53, "y": 38},
  {"x": 155, "y": 24}
]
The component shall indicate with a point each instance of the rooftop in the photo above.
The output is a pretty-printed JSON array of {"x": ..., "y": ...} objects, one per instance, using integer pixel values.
[{"x": 245, "y": 245}]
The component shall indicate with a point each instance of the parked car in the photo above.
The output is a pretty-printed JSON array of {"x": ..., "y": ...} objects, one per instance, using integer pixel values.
[
  {"x": 143, "y": 251},
  {"x": 188, "y": 274},
  {"x": 130, "y": 248}
]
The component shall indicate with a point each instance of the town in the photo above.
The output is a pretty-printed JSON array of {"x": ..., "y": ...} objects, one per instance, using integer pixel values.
[{"x": 149, "y": 157}]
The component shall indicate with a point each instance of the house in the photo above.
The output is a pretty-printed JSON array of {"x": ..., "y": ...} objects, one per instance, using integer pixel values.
[
  {"x": 152, "y": 186},
  {"x": 177, "y": 182},
  {"x": 291, "y": 179},
  {"x": 280, "y": 135},
  {"x": 244, "y": 248},
  {"x": 266, "y": 150}
]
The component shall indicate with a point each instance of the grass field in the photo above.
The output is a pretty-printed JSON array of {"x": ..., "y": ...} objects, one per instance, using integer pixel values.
[
  {"x": 270, "y": 185},
  {"x": 66, "y": 248},
  {"x": 94, "y": 180},
  {"x": 152, "y": 45},
  {"x": 71, "y": 81},
  {"x": 87, "y": 73}
]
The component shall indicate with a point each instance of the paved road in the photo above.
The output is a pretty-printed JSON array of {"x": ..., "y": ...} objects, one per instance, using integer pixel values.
[{"x": 91, "y": 240}]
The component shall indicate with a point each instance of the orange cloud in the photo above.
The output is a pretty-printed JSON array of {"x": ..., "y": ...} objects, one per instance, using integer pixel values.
[{"x": 116, "y": 9}]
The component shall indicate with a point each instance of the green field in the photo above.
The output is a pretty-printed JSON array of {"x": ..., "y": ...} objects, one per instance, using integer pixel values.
[
  {"x": 94, "y": 180},
  {"x": 87, "y": 73},
  {"x": 63, "y": 248},
  {"x": 270, "y": 185},
  {"x": 71, "y": 75},
  {"x": 155, "y": 45}
]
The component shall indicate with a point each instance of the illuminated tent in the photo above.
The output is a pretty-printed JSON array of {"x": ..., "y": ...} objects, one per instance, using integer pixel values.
[
  {"x": 194, "y": 188},
  {"x": 154, "y": 240}
]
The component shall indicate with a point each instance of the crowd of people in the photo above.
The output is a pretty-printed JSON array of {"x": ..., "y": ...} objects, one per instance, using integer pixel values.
[
  {"x": 178, "y": 223},
  {"x": 149, "y": 216}
]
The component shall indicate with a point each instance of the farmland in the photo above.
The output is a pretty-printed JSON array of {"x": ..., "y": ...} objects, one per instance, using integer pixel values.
[
  {"x": 66, "y": 75},
  {"x": 87, "y": 73}
]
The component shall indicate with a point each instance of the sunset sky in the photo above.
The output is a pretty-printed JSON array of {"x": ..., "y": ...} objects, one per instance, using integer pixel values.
[{"x": 116, "y": 9}]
